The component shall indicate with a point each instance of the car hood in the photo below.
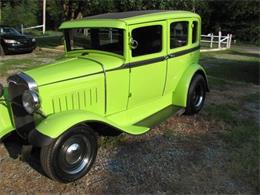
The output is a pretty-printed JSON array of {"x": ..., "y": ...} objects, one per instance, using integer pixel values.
[{"x": 73, "y": 67}]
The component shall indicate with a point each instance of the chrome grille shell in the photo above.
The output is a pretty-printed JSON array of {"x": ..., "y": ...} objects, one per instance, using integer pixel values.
[{"x": 17, "y": 84}]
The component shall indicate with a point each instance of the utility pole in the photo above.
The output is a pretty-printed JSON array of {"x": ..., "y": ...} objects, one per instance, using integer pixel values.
[
  {"x": 0, "y": 11},
  {"x": 194, "y": 6},
  {"x": 44, "y": 17}
]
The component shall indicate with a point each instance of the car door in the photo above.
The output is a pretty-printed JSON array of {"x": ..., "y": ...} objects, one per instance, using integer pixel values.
[
  {"x": 180, "y": 50},
  {"x": 147, "y": 62}
]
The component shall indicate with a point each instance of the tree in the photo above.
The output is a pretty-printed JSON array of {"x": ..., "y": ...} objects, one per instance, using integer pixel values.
[
  {"x": 20, "y": 12},
  {"x": 241, "y": 18},
  {"x": 54, "y": 14}
]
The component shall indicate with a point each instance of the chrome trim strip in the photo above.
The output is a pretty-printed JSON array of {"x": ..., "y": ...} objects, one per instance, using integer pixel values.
[
  {"x": 183, "y": 52},
  {"x": 145, "y": 62}
]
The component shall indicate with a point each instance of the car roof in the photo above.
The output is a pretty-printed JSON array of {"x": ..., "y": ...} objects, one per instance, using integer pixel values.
[
  {"x": 123, "y": 19},
  {"x": 122, "y": 15}
]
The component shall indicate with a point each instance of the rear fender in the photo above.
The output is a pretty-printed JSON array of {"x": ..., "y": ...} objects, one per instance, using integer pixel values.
[{"x": 182, "y": 89}]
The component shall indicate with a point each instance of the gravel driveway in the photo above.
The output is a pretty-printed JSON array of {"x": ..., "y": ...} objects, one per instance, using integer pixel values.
[{"x": 182, "y": 155}]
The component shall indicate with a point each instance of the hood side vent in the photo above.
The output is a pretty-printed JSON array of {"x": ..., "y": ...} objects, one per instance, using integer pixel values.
[{"x": 77, "y": 100}]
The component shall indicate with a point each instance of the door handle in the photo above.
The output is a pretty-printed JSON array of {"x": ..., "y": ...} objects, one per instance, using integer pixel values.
[{"x": 171, "y": 55}]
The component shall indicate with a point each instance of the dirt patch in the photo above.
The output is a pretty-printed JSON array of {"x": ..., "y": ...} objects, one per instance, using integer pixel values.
[{"x": 18, "y": 56}]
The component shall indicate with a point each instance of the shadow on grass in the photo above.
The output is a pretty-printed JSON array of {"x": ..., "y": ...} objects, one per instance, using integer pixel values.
[
  {"x": 240, "y": 53},
  {"x": 242, "y": 71},
  {"x": 18, "y": 148},
  {"x": 49, "y": 41}
]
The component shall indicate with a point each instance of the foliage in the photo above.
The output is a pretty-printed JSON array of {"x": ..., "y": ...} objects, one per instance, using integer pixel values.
[
  {"x": 241, "y": 18},
  {"x": 20, "y": 12},
  {"x": 54, "y": 12}
]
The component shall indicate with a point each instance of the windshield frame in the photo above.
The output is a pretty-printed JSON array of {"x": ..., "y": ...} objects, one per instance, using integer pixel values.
[{"x": 69, "y": 50}]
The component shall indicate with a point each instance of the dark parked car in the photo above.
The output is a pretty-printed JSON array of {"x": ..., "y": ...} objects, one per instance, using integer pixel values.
[{"x": 12, "y": 41}]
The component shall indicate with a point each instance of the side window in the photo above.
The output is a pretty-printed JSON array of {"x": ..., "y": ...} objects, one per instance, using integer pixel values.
[
  {"x": 194, "y": 31},
  {"x": 104, "y": 39},
  {"x": 179, "y": 34},
  {"x": 149, "y": 40}
]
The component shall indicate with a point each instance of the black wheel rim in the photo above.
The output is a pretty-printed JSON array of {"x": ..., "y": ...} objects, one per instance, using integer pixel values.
[
  {"x": 75, "y": 154},
  {"x": 198, "y": 95}
]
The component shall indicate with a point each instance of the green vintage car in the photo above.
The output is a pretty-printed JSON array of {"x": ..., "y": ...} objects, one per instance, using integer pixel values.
[{"x": 122, "y": 72}]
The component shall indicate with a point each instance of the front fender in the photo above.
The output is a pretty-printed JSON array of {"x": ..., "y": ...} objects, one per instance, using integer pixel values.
[
  {"x": 54, "y": 125},
  {"x": 6, "y": 124},
  {"x": 182, "y": 89}
]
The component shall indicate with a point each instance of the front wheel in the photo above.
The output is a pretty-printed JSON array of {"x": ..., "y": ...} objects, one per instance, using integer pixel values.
[
  {"x": 71, "y": 156},
  {"x": 196, "y": 95}
]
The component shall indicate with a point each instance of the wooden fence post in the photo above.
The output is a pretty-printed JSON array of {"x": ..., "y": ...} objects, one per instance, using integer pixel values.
[
  {"x": 228, "y": 37},
  {"x": 230, "y": 40},
  {"x": 219, "y": 39},
  {"x": 211, "y": 40}
]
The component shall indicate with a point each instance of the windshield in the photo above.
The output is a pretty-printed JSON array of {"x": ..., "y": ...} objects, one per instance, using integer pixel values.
[
  {"x": 103, "y": 39},
  {"x": 8, "y": 30}
]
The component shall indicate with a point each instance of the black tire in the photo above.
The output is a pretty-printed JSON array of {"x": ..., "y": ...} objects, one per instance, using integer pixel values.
[
  {"x": 196, "y": 95},
  {"x": 71, "y": 156},
  {"x": 2, "y": 52}
]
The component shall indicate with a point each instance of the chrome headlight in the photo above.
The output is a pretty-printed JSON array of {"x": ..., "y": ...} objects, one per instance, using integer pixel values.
[{"x": 31, "y": 101}]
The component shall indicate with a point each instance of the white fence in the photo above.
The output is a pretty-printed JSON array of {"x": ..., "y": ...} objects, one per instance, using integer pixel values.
[
  {"x": 32, "y": 27},
  {"x": 222, "y": 41}
]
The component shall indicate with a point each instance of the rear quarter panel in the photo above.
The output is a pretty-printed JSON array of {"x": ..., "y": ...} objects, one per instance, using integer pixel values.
[{"x": 182, "y": 89}]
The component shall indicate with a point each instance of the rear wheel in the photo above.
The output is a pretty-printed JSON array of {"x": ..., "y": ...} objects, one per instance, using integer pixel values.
[
  {"x": 196, "y": 95},
  {"x": 71, "y": 156}
]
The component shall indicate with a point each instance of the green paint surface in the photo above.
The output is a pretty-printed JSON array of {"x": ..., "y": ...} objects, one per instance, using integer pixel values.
[{"x": 91, "y": 85}]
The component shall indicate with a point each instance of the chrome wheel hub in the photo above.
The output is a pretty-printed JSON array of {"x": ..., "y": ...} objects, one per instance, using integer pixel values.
[
  {"x": 198, "y": 96},
  {"x": 73, "y": 153}
]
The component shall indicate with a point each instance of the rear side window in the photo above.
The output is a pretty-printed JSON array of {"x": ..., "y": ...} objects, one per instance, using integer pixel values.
[
  {"x": 194, "y": 31},
  {"x": 179, "y": 34},
  {"x": 149, "y": 40}
]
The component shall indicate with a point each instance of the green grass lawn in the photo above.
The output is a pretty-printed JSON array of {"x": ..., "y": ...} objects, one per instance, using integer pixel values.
[
  {"x": 232, "y": 65},
  {"x": 237, "y": 72},
  {"x": 14, "y": 63}
]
